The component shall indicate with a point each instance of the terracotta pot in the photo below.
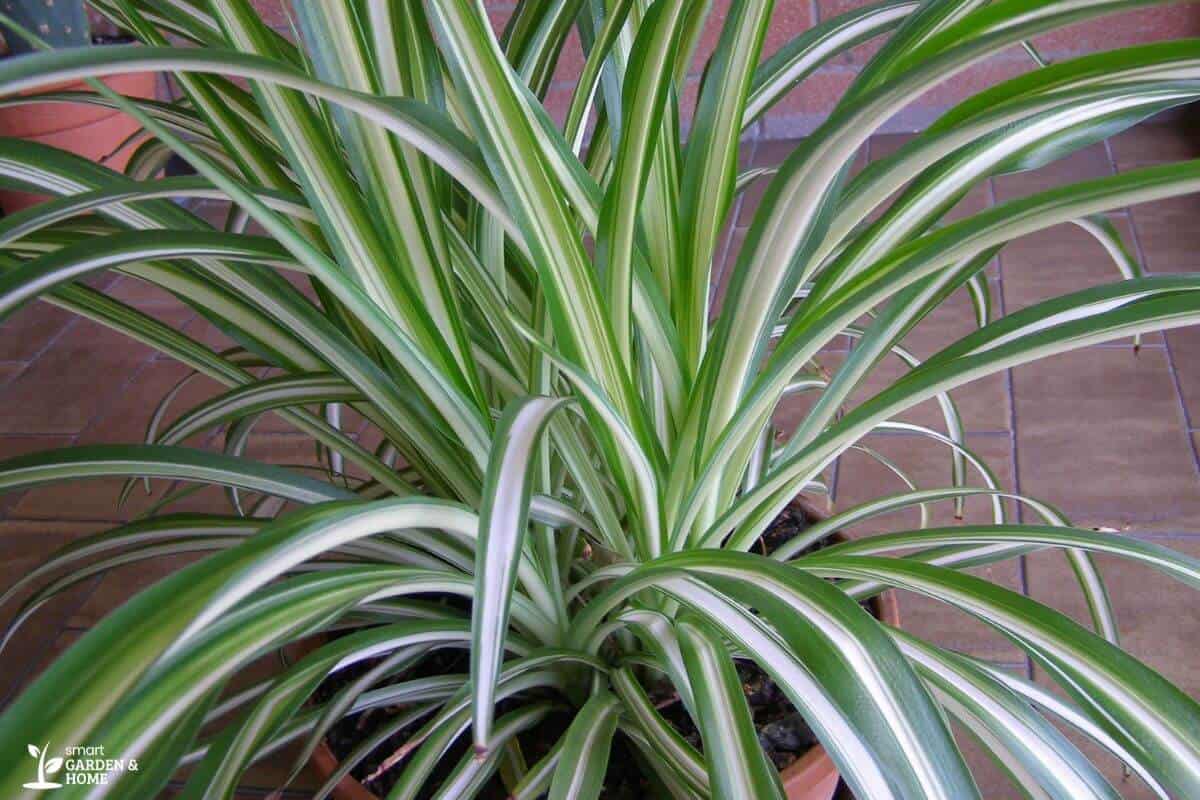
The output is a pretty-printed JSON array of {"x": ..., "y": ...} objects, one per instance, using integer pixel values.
[
  {"x": 324, "y": 763},
  {"x": 91, "y": 131},
  {"x": 811, "y": 777}
]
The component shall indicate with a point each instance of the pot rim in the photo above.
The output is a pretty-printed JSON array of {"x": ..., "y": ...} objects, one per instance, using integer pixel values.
[{"x": 70, "y": 116}]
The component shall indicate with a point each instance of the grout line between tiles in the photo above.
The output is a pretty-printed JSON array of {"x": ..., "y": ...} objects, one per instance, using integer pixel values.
[
  {"x": 1022, "y": 562},
  {"x": 1183, "y": 409},
  {"x": 53, "y": 340}
]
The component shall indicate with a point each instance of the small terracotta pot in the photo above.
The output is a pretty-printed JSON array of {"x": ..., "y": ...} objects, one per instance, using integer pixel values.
[
  {"x": 91, "y": 131},
  {"x": 811, "y": 777}
]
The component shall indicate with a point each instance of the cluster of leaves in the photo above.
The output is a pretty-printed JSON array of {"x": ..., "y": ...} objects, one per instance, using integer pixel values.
[{"x": 571, "y": 442}]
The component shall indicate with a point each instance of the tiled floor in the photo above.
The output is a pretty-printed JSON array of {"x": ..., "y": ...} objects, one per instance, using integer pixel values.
[{"x": 1108, "y": 435}]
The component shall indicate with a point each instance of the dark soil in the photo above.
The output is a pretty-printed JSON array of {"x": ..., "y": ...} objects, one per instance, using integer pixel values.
[
  {"x": 623, "y": 780},
  {"x": 783, "y": 733}
]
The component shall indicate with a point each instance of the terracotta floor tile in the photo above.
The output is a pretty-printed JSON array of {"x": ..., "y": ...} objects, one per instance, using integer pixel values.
[
  {"x": 10, "y": 370},
  {"x": 212, "y": 211},
  {"x": 85, "y": 369},
  {"x": 1090, "y": 162},
  {"x": 126, "y": 421},
  {"x": 152, "y": 301},
  {"x": 794, "y": 408},
  {"x": 141, "y": 294},
  {"x": 862, "y": 478},
  {"x": 27, "y": 332},
  {"x": 1154, "y": 144},
  {"x": 1100, "y": 435},
  {"x": 927, "y": 464},
  {"x": 1168, "y": 233},
  {"x": 982, "y": 404},
  {"x": 285, "y": 449},
  {"x": 295, "y": 452},
  {"x": 273, "y": 423},
  {"x": 886, "y": 144},
  {"x": 947, "y": 627},
  {"x": 1057, "y": 261},
  {"x": 12, "y": 445}
]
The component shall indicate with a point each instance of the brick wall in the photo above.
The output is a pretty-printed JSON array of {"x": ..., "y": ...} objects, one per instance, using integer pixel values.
[{"x": 807, "y": 105}]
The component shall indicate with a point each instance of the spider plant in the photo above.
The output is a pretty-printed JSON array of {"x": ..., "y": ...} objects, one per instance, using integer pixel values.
[{"x": 572, "y": 441}]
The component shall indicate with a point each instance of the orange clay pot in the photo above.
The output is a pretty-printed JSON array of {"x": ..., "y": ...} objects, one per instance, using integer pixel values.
[
  {"x": 811, "y": 777},
  {"x": 91, "y": 131}
]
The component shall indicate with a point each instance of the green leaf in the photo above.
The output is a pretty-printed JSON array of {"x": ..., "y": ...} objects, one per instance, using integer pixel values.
[
  {"x": 737, "y": 765},
  {"x": 184, "y": 463},
  {"x": 503, "y": 519},
  {"x": 585, "y": 750}
]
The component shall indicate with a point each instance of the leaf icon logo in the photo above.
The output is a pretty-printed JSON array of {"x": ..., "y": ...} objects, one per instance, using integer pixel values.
[{"x": 44, "y": 767}]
